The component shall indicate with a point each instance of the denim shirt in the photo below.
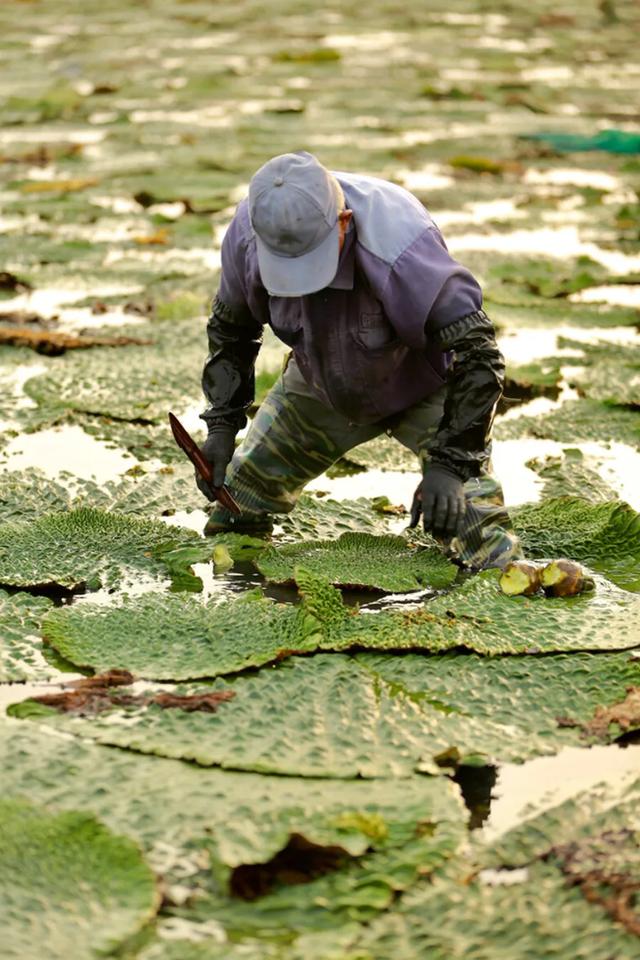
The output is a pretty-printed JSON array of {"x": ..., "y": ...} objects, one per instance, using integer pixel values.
[{"x": 364, "y": 344}]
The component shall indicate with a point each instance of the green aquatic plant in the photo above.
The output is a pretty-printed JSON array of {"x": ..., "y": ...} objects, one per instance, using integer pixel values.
[
  {"x": 70, "y": 887},
  {"x": 361, "y": 560},
  {"x": 87, "y": 547},
  {"x": 20, "y": 645},
  {"x": 369, "y": 716}
]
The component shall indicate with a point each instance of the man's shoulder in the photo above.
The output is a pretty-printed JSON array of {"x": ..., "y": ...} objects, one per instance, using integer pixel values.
[
  {"x": 387, "y": 217},
  {"x": 239, "y": 232}
]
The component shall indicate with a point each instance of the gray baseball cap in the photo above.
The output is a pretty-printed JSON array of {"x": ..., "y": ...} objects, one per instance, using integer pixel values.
[{"x": 293, "y": 207}]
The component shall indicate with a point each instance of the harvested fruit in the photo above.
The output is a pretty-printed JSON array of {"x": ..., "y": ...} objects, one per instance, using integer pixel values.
[
  {"x": 565, "y": 578},
  {"x": 520, "y": 577}
]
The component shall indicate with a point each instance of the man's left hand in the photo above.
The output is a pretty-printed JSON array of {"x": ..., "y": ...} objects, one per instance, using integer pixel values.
[{"x": 440, "y": 498}]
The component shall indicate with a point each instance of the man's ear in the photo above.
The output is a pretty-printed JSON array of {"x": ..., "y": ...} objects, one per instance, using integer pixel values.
[{"x": 345, "y": 216}]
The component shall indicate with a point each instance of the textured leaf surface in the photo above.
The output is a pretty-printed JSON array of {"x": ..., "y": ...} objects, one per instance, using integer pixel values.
[
  {"x": 175, "y": 809},
  {"x": 169, "y": 637},
  {"x": 603, "y": 619},
  {"x": 611, "y": 373},
  {"x": 576, "y": 421},
  {"x": 384, "y": 453},
  {"x": 372, "y": 716},
  {"x": 605, "y": 536},
  {"x": 30, "y": 494},
  {"x": 144, "y": 388},
  {"x": 571, "y": 475},
  {"x": 87, "y": 546},
  {"x": 319, "y": 519},
  {"x": 538, "y": 917},
  {"x": 363, "y": 560},
  {"x": 70, "y": 888},
  {"x": 20, "y": 647}
]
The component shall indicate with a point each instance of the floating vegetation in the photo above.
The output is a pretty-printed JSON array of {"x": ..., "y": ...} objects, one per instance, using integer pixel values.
[
  {"x": 88, "y": 548},
  {"x": 367, "y": 716},
  {"x": 361, "y": 560},
  {"x": 281, "y": 769},
  {"x": 69, "y": 885},
  {"x": 20, "y": 646}
]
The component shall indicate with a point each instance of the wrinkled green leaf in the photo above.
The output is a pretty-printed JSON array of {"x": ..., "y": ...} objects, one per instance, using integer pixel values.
[
  {"x": 362, "y": 560},
  {"x": 89, "y": 546},
  {"x": 20, "y": 647},
  {"x": 605, "y": 536},
  {"x": 69, "y": 886},
  {"x": 371, "y": 716}
]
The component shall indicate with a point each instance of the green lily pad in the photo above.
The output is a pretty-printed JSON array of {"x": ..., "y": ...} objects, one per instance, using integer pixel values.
[
  {"x": 571, "y": 475},
  {"x": 29, "y": 494},
  {"x": 383, "y": 453},
  {"x": 537, "y": 916},
  {"x": 370, "y": 716},
  {"x": 176, "y": 637},
  {"x": 492, "y": 622},
  {"x": 154, "y": 378},
  {"x": 576, "y": 421},
  {"x": 94, "y": 547},
  {"x": 611, "y": 373},
  {"x": 20, "y": 646},
  {"x": 187, "y": 818},
  {"x": 605, "y": 536},
  {"x": 316, "y": 518},
  {"x": 70, "y": 887},
  {"x": 361, "y": 560}
]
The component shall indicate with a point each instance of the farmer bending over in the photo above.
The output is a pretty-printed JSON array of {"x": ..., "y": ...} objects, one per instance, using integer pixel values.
[{"x": 387, "y": 335}]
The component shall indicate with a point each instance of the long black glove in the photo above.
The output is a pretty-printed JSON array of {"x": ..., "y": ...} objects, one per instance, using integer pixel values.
[
  {"x": 474, "y": 386},
  {"x": 440, "y": 499},
  {"x": 218, "y": 450}
]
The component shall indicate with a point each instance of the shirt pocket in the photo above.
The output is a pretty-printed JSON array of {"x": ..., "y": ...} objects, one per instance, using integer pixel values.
[
  {"x": 285, "y": 317},
  {"x": 374, "y": 332}
]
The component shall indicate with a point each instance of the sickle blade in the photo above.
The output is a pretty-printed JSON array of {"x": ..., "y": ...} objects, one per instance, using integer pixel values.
[{"x": 187, "y": 444}]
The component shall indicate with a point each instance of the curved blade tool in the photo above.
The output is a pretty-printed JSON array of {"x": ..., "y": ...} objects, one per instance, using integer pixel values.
[{"x": 186, "y": 443}]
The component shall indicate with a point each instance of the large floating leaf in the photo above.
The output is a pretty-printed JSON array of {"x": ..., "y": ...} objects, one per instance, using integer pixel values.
[
  {"x": 576, "y": 421},
  {"x": 371, "y": 716},
  {"x": 362, "y": 560},
  {"x": 152, "y": 380},
  {"x": 20, "y": 647},
  {"x": 384, "y": 453},
  {"x": 315, "y": 518},
  {"x": 606, "y": 536},
  {"x": 535, "y": 916},
  {"x": 29, "y": 494},
  {"x": 492, "y": 622},
  {"x": 88, "y": 546},
  {"x": 611, "y": 373},
  {"x": 178, "y": 811},
  {"x": 70, "y": 888},
  {"x": 571, "y": 475},
  {"x": 170, "y": 637}
]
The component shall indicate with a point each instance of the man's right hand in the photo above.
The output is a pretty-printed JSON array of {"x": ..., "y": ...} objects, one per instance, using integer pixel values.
[{"x": 218, "y": 450}]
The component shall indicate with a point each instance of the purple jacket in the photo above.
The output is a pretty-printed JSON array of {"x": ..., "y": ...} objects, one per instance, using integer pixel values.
[{"x": 364, "y": 343}]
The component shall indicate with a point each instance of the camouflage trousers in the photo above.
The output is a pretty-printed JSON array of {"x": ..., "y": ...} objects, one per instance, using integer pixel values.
[{"x": 294, "y": 438}]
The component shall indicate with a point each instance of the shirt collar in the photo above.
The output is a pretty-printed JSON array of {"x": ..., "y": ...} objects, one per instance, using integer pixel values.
[{"x": 343, "y": 279}]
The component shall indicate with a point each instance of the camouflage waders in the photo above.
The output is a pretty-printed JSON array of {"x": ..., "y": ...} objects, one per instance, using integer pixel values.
[{"x": 294, "y": 438}]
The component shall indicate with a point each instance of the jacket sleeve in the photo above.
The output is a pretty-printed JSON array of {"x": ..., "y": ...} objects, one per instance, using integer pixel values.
[
  {"x": 228, "y": 378},
  {"x": 475, "y": 383},
  {"x": 234, "y": 336}
]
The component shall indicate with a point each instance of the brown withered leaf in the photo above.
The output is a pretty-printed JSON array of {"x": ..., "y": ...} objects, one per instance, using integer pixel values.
[
  {"x": 54, "y": 342},
  {"x": 625, "y": 714},
  {"x": 92, "y": 695},
  {"x": 10, "y": 283},
  {"x": 602, "y": 869}
]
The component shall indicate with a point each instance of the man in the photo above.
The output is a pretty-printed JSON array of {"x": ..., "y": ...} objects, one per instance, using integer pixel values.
[{"x": 387, "y": 334}]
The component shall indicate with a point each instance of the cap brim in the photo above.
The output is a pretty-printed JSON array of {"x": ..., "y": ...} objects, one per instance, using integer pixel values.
[{"x": 298, "y": 276}]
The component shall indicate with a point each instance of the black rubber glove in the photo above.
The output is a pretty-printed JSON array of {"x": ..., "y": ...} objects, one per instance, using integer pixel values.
[
  {"x": 218, "y": 450},
  {"x": 441, "y": 501}
]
